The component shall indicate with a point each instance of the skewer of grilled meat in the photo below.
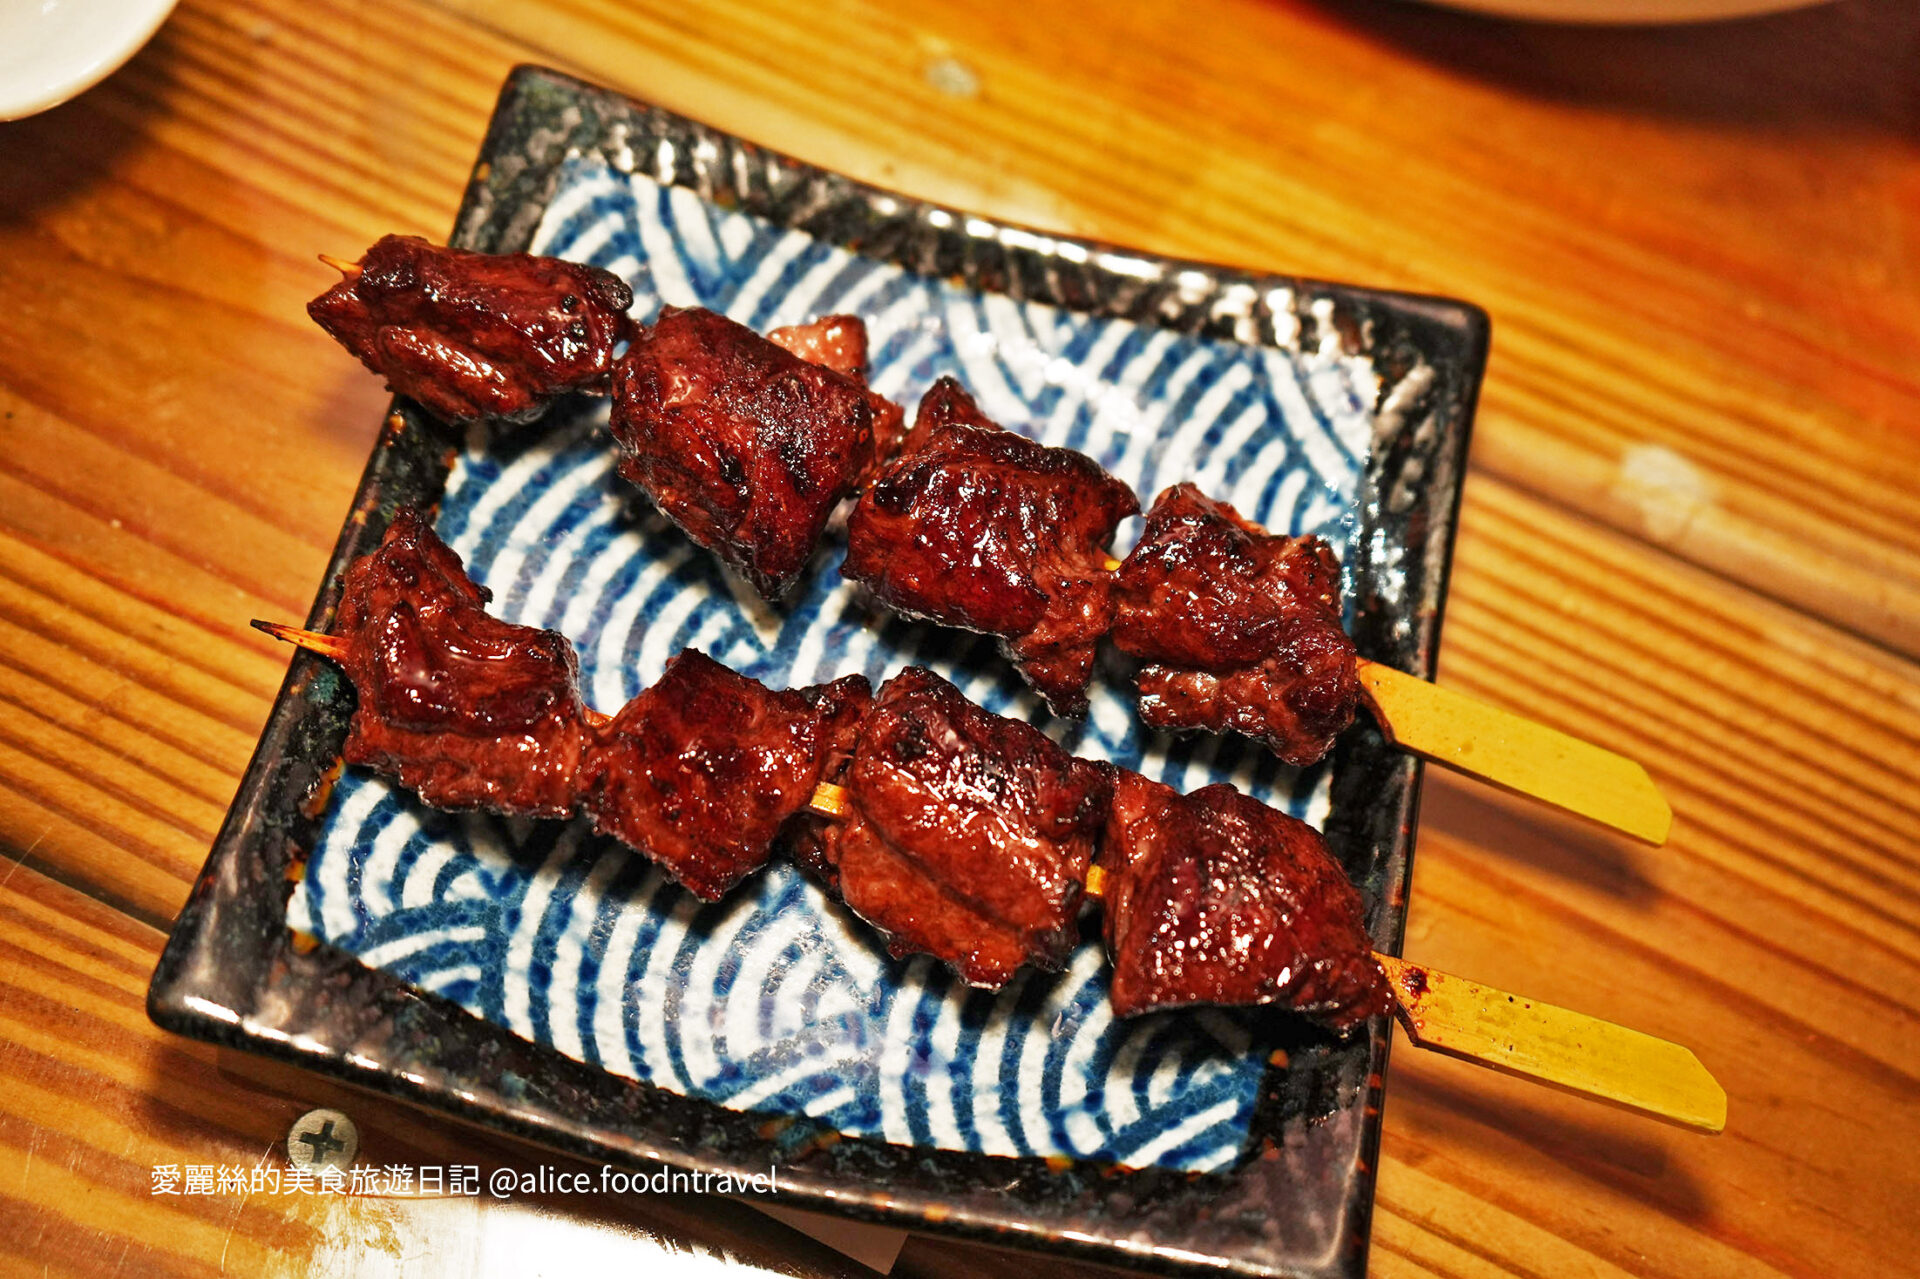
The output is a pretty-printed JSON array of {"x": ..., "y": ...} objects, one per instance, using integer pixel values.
[
  {"x": 475, "y": 336},
  {"x": 1211, "y": 898},
  {"x": 956, "y": 832},
  {"x": 1196, "y": 879},
  {"x": 749, "y": 442}
]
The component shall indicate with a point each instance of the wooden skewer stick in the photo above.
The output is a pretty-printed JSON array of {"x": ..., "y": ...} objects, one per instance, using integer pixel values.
[
  {"x": 348, "y": 269},
  {"x": 1447, "y": 1014},
  {"x": 1515, "y": 1035},
  {"x": 1512, "y": 752},
  {"x": 1515, "y": 753},
  {"x": 1555, "y": 1046},
  {"x": 312, "y": 641},
  {"x": 829, "y": 800}
]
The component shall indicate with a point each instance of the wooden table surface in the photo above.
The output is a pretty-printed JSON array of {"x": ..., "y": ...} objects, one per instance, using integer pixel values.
[{"x": 1691, "y": 533}]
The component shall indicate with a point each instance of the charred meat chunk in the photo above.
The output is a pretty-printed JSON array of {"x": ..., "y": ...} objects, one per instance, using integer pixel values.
[
  {"x": 839, "y": 342},
  {"x": 743, "y": 444},
  {"x": 466, "y": 710},
  {"x": 477, "y": 335},
  {"x": 1215, "y": 898},
  {"x": 1239, "y": 628},
  {"x": 978, "y": 527},
  {"x": 969, "y": 834},
  {"x": 702, "y": 770}
]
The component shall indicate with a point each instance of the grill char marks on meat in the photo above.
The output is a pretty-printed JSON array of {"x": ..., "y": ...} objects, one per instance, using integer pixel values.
[
  {"x": 969, "y": 834},
  {"x": 702, "y": 770},
  {"x": 982, "y": 528},
  {"x": 1215, "y": 898},
  {"x": 478, "y": 335},
  {"x": 839, "y": 342},
  {"x": 744, "y": 445},
  {"x": 466, "y": 710},
  {"x": 1240, "y": 629}
]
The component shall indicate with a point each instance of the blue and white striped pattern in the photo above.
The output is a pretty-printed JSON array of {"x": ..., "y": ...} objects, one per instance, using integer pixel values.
[{"x": 777, "y": 999}]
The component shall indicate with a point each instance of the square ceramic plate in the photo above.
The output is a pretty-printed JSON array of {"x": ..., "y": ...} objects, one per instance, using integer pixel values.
[{"x": 526, "y": 977}]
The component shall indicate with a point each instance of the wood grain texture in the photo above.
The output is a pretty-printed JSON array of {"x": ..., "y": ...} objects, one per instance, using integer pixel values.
[
  {"x": 97, "y": 1097},
  {"x": 1692, "y": 534}
]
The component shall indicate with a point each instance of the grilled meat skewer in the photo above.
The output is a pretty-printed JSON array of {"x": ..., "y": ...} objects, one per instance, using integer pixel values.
[
  {"x": 750, "y": 442},
  {"x": 953, "y": 831}
]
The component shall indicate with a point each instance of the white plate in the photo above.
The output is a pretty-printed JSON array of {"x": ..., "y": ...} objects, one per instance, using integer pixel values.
[
  {"x": 51, "y": 50},
  {"x": 1628, "y": 11}
]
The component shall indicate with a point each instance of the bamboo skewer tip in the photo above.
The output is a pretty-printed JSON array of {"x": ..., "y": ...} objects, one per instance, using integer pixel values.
[
  {"x": 1516, "y": 754},
  {"x": 1558, "y": 1047},
  {"x": 312, "y": 641}
]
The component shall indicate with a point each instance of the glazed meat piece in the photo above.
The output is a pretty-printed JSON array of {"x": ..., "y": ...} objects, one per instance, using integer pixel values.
[
  {"x": 702, "y": 770},
  {"x": 969, "y": 834},
  {"x": 839, "y": 342},
  {"x": 1215, "y": 898},
  {"x": 477, "y": 335},
  {"x": 1239, "y": 628},
  {"x": 978, "y": 527},
  {"x": 740, "y": 442},
  {"x": 466, "y": 710}
]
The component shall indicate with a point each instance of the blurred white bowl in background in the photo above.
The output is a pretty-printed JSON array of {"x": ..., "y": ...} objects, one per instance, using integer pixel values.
[
  {"x": 51, "y": 50},
  {"x": 1625, "y": 11}
]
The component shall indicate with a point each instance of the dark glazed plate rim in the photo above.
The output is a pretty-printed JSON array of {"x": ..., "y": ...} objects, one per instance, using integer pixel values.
[{"x": 1301, "y": 1202}]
